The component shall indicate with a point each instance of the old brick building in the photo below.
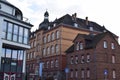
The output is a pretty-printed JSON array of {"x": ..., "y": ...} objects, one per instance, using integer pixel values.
[
  {"x": 94, "y": 57},
  {"x": 51, "y": 40}
]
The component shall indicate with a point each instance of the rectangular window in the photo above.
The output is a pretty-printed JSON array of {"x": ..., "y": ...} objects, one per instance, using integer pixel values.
[
  {"x": 14, "y": 54},
  {"x": 15, "y": 33},
  {"x": 20, "y": 34},
  {"x": 105, "y": 44},
  {"x": 8, "y": 53},
  {"x": 82, "y": 59},
  {"x": 9, "y": 32},
  {"x": 112, "y": 46},
  {"x": 82, "y": 73},
  {"x": 71, "y": 75},
  {"x": 3, "y": 52},
  {"x": 71, "y": 60}
]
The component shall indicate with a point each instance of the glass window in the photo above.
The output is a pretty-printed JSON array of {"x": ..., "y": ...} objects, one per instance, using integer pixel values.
[
  {"x": 52, "y": 64},
  {"x": 52, "y": 49},
  {"x": 88, "y": 73},
  {"x": 56, "y": 63},
  {"x": 105, "y": 44},
  {"x": 81, "y": 45},
  {"x": 71, "y": 73},
  {"x": 20, "y": 34},
  {"x": 9, "y": 34},
  {"x": 53, "y": 36},
  {"x": 76, "y": 73},
  {"x": 44, "y": 39},
  {"x": 76, "y": 59},
  {"x": 72, "y": 60},
  {"x": 44, "y": 51},
  {"x": 15, "y": 33},
  {"x": 47, "y": 64},
  {"x": 113, "y": 58},
  {"x": 114, "y": 74},
  {"x": 3, "y": 52},
  {"x": 56, "y": 48},
  {"x": 8, "y": 53},
  {"x": 48, "y": 50},
  {"x": 88, "y": 57},
  {"x": 48, "y": 38},
  {"x": 26, "y": 32},
  {"x": 57, "y": 34},
  {"x": 14, "y": 54},
  {"x": 82, "y": 73},
  {"x": 82, "y": 59},
  {"x": 77, "y": 46},
  {"x": 20, "y": 54},
  {"x": 112, "y": 46},
  {"x": 4, "y": 26}
]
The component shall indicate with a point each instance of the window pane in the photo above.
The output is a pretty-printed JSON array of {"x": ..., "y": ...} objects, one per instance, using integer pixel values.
[
  {"x": 8, "y": 53},
  {"x": 15, "y": 37},
  {"x": 9, "y": 36},
  {"x": 20, "y": 39},
  {"x": 20, "y": 55},
  {"x": 3, "y": 52},
  {"x": 4, "y": 35},
  {"x": 25, "y": 40},
  {"x": 21, "y": 31},
  {"x": 10, "y": 26},
  {"x": 15, "y": 29},
  {"x": 4, "y": 26},
  {"x": 26, "y": 32},
  {"x": 14, "y": 54}
]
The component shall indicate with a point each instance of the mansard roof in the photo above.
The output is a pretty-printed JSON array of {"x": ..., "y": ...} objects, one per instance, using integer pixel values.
[{"x": 70, "y": 20}]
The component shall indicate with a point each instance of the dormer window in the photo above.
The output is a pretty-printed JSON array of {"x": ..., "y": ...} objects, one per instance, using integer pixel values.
[
  {"x": 48, "y": 27},
  {"x": 75, "y": 24},
  {"x": 91, "y": 28},
  {"x": 54, "y": 25}
]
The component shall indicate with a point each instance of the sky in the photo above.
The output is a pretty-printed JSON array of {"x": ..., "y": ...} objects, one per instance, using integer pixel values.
[{"x": 103, "y": 12}]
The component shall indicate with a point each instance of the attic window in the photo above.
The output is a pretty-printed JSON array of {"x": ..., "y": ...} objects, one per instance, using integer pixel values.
[
  {"x": 75, "y": 24},
  {"x": 91, "y": 28}
]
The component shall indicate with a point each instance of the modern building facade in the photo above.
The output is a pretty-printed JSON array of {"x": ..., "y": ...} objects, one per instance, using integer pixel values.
[
  {"x": 51, "y": 40},
  {"x": 94, "y": 57},
  {"x": 14, "y": 37}
]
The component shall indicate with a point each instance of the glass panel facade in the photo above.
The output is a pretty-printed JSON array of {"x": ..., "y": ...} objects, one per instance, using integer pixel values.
[
  {"x": 14, "y": 32},
  {"x": 12, "y": 60}
]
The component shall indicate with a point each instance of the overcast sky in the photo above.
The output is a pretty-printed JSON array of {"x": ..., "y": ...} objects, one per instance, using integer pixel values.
[{"x": 103, "y": 12}]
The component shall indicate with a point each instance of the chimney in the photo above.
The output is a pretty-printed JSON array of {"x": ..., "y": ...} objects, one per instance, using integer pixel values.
[{"x": 86, "y": 21}]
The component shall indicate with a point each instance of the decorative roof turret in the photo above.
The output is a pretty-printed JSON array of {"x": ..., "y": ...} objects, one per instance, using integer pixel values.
[{"x": 44, "y": 25}]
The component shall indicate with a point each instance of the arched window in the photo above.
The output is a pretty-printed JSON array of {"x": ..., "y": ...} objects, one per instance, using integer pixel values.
[
  {"x": 56, "y": 63},
  {"x": 53, "y": 36},
  {"x": 88, "y": 57},
  {"x": 57, "y": 34},
  {"x": 52, "y": 49},
  {"x": 76, "y": 73},
  {"x": 44, "y": 52},
  {"x": 48, "y": 38},
  {"x": 52, "y": 64},
  {"x": 48, "y": 50},
  {"x": 56, "y": 48},
  {"x": 44, "y": 39}
]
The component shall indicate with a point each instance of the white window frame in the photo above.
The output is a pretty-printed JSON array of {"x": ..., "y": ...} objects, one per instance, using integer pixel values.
[
  {"x": 81, "y": 45},
  {"x": 57, "y": 34},
  {"x": 77, "y": 46}
]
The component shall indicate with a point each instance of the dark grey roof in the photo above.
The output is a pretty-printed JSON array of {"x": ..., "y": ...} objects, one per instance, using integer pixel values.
[
  {"x": 70, "y": 20},
  {"x": 90, "y": 40}
]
